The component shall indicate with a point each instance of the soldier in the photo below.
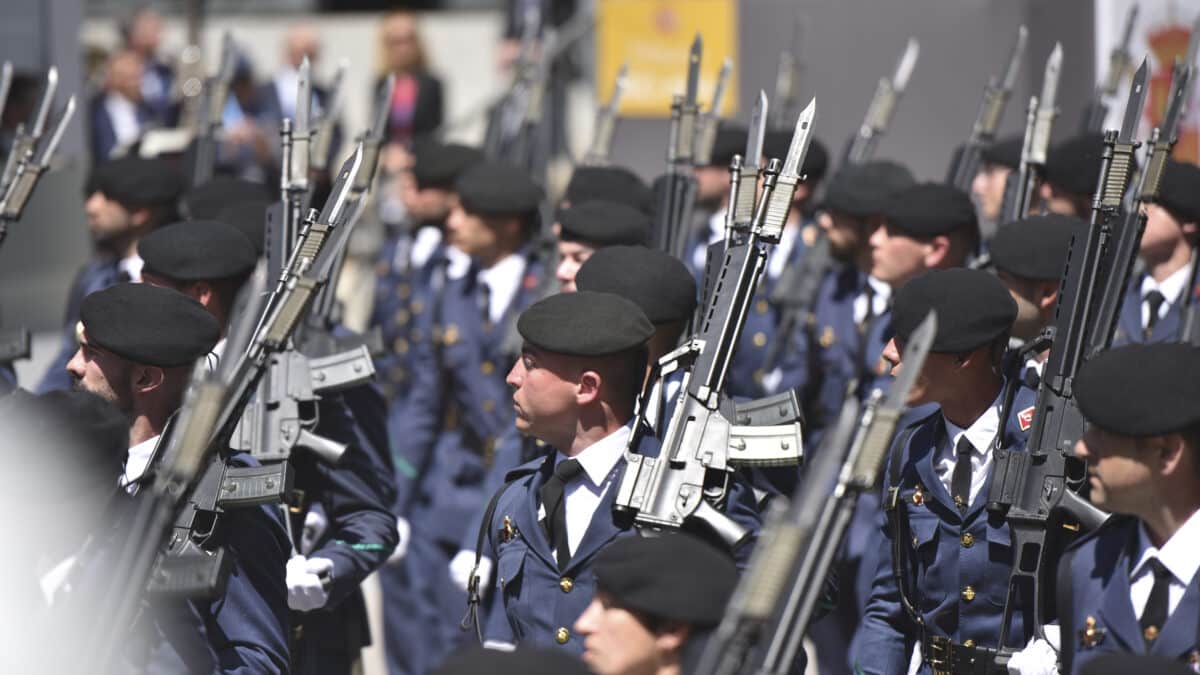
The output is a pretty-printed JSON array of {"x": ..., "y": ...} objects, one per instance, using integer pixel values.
[
  {"x": 610, "y": 184},
  {"x": 585, "y": 227},
  {"x": 1133, "y": 582},
  {"x": 576, "y": 386},
  {"x": 137, "y": 348},
  {"x": 344, "y": 510},
  {"x": 998, "y": 161},
  {"x": 123, "y": 201},
  {"x": 205, "y": 201},
  {"x": 1150, "y": 311},
  {"x": 1069, "y": 180},
  {"x": 446, "y": 433},
  {"x": 646, "y": 615},
  {"x": 945, "y": 557}
]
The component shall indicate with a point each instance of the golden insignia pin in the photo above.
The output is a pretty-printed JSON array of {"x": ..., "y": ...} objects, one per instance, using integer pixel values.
[
  {"x": 827, "y": 337},
  {"x": 450, "y": 334},
  {"x": 1091, "y": 635},
  {"x": 507, "y": 531},
  {"x": 918, "y": 496}
]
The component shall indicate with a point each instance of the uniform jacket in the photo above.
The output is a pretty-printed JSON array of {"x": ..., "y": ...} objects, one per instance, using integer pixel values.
[
  {"x": 1129, "y": 323},
  {"x": 958, "y": 565},
  {"x": 1101, "y": 563},
  {"x": 535, "y": 603}
]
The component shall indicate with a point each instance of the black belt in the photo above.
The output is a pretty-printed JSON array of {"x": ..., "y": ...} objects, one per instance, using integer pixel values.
[{"x": 948, "y": 658}]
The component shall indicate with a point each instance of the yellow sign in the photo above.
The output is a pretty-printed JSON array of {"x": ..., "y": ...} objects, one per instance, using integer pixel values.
[{"x": 653, "y": 37}]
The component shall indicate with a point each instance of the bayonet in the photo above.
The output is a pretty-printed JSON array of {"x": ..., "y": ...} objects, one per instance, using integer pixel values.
[
  {"x": 5, "y": 83},
  {"x": 28, "y": 170},
  {"x": 883, "y": 106},
  {"x": 301, "y": 130},
  {"x": 1118, "y": 63},
  {"x": 323, "y": 141},
  {"x": 904, "y": 69},
  {"x": 692, "y": 92},
  {"x": 995, "y": 97},
  {"x": 1135, "y": 106},
  {"x": 780, "y": 203},
  {"x": 785, "y": 87},
  {"x": 686, "y": 137},
  {"x": 43, "y": 110},
  {"x": 743, "y": 209},
  {"x": 606, "y": 121},
  {"x": 1047, "y": 108},
  {"x": 706, "y": 132}
]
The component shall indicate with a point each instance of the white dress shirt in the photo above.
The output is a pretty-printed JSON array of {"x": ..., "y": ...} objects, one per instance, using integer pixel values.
[
  {"x": 123, "y": 114},
  {"x": 132, "y": 266},
  {"x": 502, "y": 279},
  {"x": 1179, "y": 555},
  {"x": 584, "y": 493},
  {"x": 777, "y": 256},
  {"x": 981, "y": 434},
  {"x": 136, "y": 463},
  {"x": 1171, "y": 289},
  {"x": 879, "y": 301}
]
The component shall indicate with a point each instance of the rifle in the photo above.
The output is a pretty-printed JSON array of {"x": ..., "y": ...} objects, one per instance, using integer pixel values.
[
  {"x": 708, "y": 437},
  {"x": 706, "y": 124},
  {"x": 212, "y": 107},
  {"x": 774, "y": 602},
  {"x": 27, "y": 137},
  {"x": 6, "y": 74},
  {"x": 679, "y": 191},
  {"x": 189, "y": 68},
  {"x": 606, "y": 121},
  {"x": 1039, "y": 486},
  {"x": 323, "y": 140},
  {"x": 29, "y": 168},
  {"x": 1119, "y": 61},
  {"x": 1022, "y": 186},
  {"x": 861, "y": 147},
  {"x": 995, "y": 96}
]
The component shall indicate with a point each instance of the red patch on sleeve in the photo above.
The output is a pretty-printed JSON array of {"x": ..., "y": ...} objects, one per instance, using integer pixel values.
[{"x": 1025, "y": 418}]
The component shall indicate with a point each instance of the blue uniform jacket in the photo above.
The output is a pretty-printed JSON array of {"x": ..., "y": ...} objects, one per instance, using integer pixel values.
[
  {"x": 958, "y": 565},
  {"x": 1129, "y": 323},
  {"x": 96, "y": 275},
  {"x": 458, "y": 407},
  {"x": 535, "y": 603},
  {"x": 1101, "y": 563}
]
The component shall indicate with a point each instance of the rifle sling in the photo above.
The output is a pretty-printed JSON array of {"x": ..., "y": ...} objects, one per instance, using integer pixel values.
[{"x": 896, "y": 520}]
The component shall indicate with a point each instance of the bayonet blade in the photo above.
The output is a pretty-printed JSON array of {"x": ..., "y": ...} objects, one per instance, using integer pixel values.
[
  {"x": 60, "y": 128},
  {"x": 339, "y": 196},
  {"x": 383, "y": 107},
  {"x": 693, "y": 75},
  {"x": 1127, "y": 31},
  {"x": 43, "y": 111},
  {"x": 5, "y": 83},
  {"x": 754, "y": 139},
  {"x": 622, "y": 81},
  {"x": 719, "y": 91},
  {"x": 1039, "y": 142},
  {"x": 1014, "y": 60},
  {"x": 1193, "y": 51},
  {"x": 336, "y": 90},
  {"x": 904, "y": 68},
  {"x": 911, "y": 361},
  {"x": 800, "y": 139},
  {"x": 301, "y": 124},
  {"x": 1180, "y": 83},
  {"x": 1135, "y": 105},
  {"x": 1049, "y": 94}
]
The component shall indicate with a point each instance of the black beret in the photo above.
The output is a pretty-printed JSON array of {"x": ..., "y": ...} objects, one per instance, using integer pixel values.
[
  {"x": 973, "y": 308},
  {"x": 250, "y": 217},
  {"x": 930, "y": 209},
  {"x": 1117, "y": 663},
  {"x": 816, "y": 162},
  {"x": 730, "y": 141},
  {"x": 521, "y": 661},
  {"x": 1035, "y": 247},
  {"x": 604, "y": 224},
  {"x": 1179, "y": 191},
  {"x": 137, "y": 183},
  {"x": 438, "y": 165},
  {"x": 654, "y": 280},
  {"x": 610, "y": 183},
  {"x": 1141, "y": 390},
  {"x": 585, "y": 323},
  {"x": 1073, "y": 166},
  {"x": 497, "y": 188},
  {"x": 1005, "y": 152},
  {"x": 660, "y": 575},
  {"x": 863, "y": 190},
  {"x": 205, "y": 201},
  {"x": 149, "y": 324},
  {"x": 198, "y": 250}
]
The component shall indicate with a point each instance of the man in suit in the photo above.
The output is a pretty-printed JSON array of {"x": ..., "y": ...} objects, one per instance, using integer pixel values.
[
  {"x": 142, "y": 33},
  {"x": 118, "y": 114},
  {"x": 1133, "y": 582},
  {"x": 941, "y": 582},
  {"x": 1151, "y": 310}
]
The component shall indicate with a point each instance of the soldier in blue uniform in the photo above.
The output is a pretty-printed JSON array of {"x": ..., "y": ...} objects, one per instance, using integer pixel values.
[
  {"x": 585, "y": 227},
  {"x": 457, "y": 407},
  {"x": 1069, "y": 177},
  {"x": 124, "y": 200},
  {"x": 712, "y": 197},
  {"x": 997, "y": 162},
  {"x": 951, "y": 555},
  {"x": 1150, "y": 311},
  {"x": 1134, "y": 585},
  {"x": 137, "y": 348},
  {"x": 576, "y": 385},
  {"x": 348, "y": 506},
  {"x": 610, "y": 184}
]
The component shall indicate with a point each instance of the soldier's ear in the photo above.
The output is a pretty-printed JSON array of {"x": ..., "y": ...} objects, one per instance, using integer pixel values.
[
  {"x": 587, "y": 389},
  {"x": 147, "y": 378}
]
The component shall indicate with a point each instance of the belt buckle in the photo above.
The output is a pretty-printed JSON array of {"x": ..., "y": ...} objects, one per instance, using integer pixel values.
[{"x": 938, "y": 653}]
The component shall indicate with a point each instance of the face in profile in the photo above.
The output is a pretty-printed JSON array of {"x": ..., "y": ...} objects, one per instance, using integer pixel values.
[
  {"x": 544, "y": 392},
  {"x": 571, "y": 256},
  {"x": 98, "y": 371},
  {"x": 617, "y": 642}
]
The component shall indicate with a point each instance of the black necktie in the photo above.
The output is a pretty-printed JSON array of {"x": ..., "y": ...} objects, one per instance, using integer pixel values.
[
  {"x": 869, "y": 295},
  {"x": 1154, "y": 300},
  {"x": 1155, "y": 614},
  {"x": 556, "y": 507},
  {"x": 960, "y": 479},
  {"x": 483, "y": 298}
]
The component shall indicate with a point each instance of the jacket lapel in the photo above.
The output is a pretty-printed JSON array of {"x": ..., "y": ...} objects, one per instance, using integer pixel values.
[
  {"x": 1167, "y": 328},
  {"x": 1116, "y": 611},
  {"x": 1129, "y": 324},
  {"x": 603, "y": 527},
  {"x": 526, "y": 515},
  {"x": 1179, "y": 634},
  {"x": 923, "y": 444}
]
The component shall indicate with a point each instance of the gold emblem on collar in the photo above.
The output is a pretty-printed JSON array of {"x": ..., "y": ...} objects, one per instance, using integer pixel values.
[
  {"x": 827, "y": 339},
  {"x": 508, "y": 531},
  {"x": 1091, "y": 635}
]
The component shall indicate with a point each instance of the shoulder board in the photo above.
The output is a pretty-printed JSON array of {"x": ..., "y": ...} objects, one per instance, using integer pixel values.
[
  {"x": 1114, "y": 523},
  {"x": 526, "y": 469}
]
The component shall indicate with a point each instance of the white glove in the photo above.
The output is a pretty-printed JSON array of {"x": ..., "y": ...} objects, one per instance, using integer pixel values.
[
  {"x": 306, "y": 586},
  {"x": 405, "y": 531},
  {"x": 315, "y": 524},
  {"x": 1038, "y": 657},
  {"x": 460, "y": 570}
]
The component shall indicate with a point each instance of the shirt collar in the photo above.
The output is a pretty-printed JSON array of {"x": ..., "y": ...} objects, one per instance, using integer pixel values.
[
  {"x": 132, "y": 266},
  {"x": 458, "y": 263},
  {"x": 503, "y": 279},
  {"x": 1171, "y": 287},
  {"x": 982, "y": 431},
  {"x": 1178, "y": 554},
  {"x": 599, "y": 458},
  {"x": 139, "y": 459}
]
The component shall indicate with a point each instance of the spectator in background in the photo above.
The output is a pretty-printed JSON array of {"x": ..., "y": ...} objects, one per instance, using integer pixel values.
[
  {"x": 248, "y": 149},
  {"x": 277, "y": 97},
  {"x": 416, "y": 108},
  {"x": 119, "y": 114},
  {"x": 142, "y": 33}
]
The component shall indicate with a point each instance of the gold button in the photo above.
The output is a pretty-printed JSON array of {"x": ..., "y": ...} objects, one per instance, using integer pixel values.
[
  {"x": 562, "y": 635},
  {"x": 968, "y": 594},
  {"x": 566, "y": 584},
  {"x": 401, "y": 317},
  {"x": 417, "y": 306},
  {"x": 967, "y": 539},
  {"x": 404, "y": 290},
  {"x": 487, "y": 367},
  {"x": 968, "y": 643},
  {"x": 450, "y": 335},
  {"x": 400, "y": 346},
  {"x": 489, "y": 405},
  {"x": 1151, "y": 633},
  {"x": 760, "y": 339},
  {"x": 761, "y": 307}
]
